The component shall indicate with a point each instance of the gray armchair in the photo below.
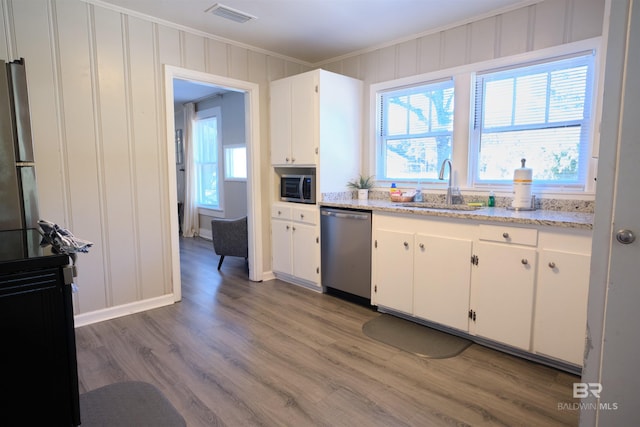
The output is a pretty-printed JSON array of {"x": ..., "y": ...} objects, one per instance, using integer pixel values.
[{"x": 230, "y": 238}]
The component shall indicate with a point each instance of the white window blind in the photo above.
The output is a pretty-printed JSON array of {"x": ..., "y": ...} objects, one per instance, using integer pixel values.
[{"x": 539, "y": 112}]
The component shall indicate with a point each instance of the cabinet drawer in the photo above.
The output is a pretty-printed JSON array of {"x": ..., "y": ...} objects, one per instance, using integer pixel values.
[
  {"x": 306, "y": 215},
  {"x": 513, "y": 235},
  {"x": 281, "y": 211}
]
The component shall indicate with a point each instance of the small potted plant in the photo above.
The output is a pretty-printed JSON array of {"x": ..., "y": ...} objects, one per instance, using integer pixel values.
[{"x": 363, "y": 184}]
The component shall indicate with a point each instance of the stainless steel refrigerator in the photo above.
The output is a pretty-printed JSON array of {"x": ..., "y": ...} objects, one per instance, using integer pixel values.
[{"x": 18, "y": 191}]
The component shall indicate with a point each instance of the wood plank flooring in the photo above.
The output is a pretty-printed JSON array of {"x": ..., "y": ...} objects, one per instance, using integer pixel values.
[{"x": 240, "y": 353}]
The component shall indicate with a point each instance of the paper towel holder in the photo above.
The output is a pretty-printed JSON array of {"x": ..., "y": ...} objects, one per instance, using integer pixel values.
[{"x": 530, "y": 208}]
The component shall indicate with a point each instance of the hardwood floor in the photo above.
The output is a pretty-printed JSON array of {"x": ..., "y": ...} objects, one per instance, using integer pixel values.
[{"x": 239, "y": 353}]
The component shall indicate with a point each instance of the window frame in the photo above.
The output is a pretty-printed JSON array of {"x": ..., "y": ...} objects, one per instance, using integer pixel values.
[
  {"x": 382, "y": 137},
  {"x": 226, "y": 150},
  {"x": 204, "y": 115},
  {"x": 476, "y": 120},
  {"x": 462, "y": 149}
]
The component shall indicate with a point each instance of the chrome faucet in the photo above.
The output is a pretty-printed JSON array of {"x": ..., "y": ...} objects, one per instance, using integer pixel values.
[{"x": 448, "y": 199}]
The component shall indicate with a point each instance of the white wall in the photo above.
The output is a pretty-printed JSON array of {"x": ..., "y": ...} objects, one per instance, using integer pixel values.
[
  {"x": 541, "y": 25},
  {"x": 97, "y": 104}
]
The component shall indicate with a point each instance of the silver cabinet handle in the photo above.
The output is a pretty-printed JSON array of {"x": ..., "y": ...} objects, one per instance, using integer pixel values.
[
  {"x": 552, "y": 264},
  {"x": 505, "y": 235},
  {"x": 286, "y": 159},
  {"x": 524, "y": 261}
]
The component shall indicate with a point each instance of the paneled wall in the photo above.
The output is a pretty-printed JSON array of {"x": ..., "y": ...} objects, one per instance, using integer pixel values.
[
  {"x": 97, "y": 102},
  {"x": 540, "y": 25}
]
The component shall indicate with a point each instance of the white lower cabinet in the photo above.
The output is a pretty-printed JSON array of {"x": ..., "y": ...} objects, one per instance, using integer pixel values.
[
  {"x": 306, "y": 252},
  {"x": 502, "y": 293},
  {"x": 441, "y": 280},
  {"x": 393, "y": 287},
  {"x": 524, "y": 287},
  {"x": 295, "y": 236},
  {"x": 419, "y": 270},
  {"x": 561, "y": 298}
]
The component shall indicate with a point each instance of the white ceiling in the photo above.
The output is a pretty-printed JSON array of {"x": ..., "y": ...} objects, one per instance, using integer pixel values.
[
  {"x": 315, "y": 31},
  {"x": 185, "y": 91}
]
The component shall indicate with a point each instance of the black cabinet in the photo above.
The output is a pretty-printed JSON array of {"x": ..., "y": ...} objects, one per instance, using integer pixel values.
[{"x": 39, "y": 384}]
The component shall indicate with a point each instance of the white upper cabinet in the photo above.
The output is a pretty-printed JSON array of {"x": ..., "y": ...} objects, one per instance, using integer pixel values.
[
  {"x": 316, "y": 121},
  {"x": 294, "y": 120}
]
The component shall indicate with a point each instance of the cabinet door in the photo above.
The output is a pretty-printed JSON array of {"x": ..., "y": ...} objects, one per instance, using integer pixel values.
[
  {"x": 441, "y": 281},
  {"x": 561, "y": 305},
  {"x": 503, "y": 283},
  {"x": 304, "y": 119},
  {"x": 280, "y": 109},
  {"x": 281, "y": 246},
  {"x": 39, "y": 368},
  {"x": 393, "y": 285},
  {"x": 306, "y": 252}
]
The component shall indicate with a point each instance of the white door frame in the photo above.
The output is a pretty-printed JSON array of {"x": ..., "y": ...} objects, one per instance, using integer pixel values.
[
  {"x": 610, "y": 376},
  {"x": 252, "y": 124}
]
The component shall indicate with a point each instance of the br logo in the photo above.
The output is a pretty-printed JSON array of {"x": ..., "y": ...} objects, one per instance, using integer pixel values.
[{"x": 581, "y": 390}]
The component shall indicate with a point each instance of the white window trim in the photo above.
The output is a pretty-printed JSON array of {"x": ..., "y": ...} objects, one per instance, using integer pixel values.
[
  {"x": 380, "y": 146},
  {"x": 225, "y": 162},
  {"x": 464, "y": 88},
  {"x": 205, "y": 114}
]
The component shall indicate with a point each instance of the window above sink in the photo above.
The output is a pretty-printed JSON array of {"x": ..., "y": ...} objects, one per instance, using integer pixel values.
[{"x": 539, "y": 106}]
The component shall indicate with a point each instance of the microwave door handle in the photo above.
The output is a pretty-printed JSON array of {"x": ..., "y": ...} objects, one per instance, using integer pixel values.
[{"x": 301, "y": 189}]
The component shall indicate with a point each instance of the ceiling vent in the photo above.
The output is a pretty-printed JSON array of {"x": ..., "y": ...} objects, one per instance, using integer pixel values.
[{"x": 230, "y": 13}]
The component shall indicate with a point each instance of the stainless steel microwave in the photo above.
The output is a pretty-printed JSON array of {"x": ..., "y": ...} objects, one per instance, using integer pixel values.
[{"x": 298, "y": 188}]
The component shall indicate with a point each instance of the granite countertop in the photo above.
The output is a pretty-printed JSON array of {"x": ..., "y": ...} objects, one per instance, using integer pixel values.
[{"x": 566, "y": 219}]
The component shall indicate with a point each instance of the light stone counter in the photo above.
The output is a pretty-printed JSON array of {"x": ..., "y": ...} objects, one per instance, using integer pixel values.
[{"x": 566, "y": 219}]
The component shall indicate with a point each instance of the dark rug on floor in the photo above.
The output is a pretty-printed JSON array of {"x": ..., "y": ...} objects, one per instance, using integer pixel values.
[
  {"x": 128, "y": 404},
  {"x": 414, "y": 338}
]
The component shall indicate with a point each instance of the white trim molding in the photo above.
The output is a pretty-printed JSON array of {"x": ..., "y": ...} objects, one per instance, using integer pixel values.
[
  {"x": 254, "y": 212},
  {"x": 108, "y": 313}
]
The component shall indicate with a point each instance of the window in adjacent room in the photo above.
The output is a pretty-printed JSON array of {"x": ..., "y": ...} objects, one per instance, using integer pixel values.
[
  {"x": 235, "y": 162},
  {"x": 539, "y": 112},
  {"x": 206, "y": 155},
  {"x": 415, "y": 131}
]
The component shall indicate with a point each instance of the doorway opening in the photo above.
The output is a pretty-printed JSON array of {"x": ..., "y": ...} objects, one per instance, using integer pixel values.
[{"x": 252, "y": 135}]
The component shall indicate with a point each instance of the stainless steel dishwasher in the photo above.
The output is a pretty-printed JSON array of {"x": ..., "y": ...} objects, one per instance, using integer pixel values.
[{"x": 345, "y": 249}]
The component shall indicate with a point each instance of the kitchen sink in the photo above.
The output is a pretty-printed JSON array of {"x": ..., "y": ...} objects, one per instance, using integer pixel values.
[{"x": 425, "y": 205}]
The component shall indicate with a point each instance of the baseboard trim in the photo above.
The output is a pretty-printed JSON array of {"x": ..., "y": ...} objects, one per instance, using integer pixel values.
[
  {"x": 205, "y": 233},
  {"x": 298, "y": 281},
  {"x": 122, "y": 310}
]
